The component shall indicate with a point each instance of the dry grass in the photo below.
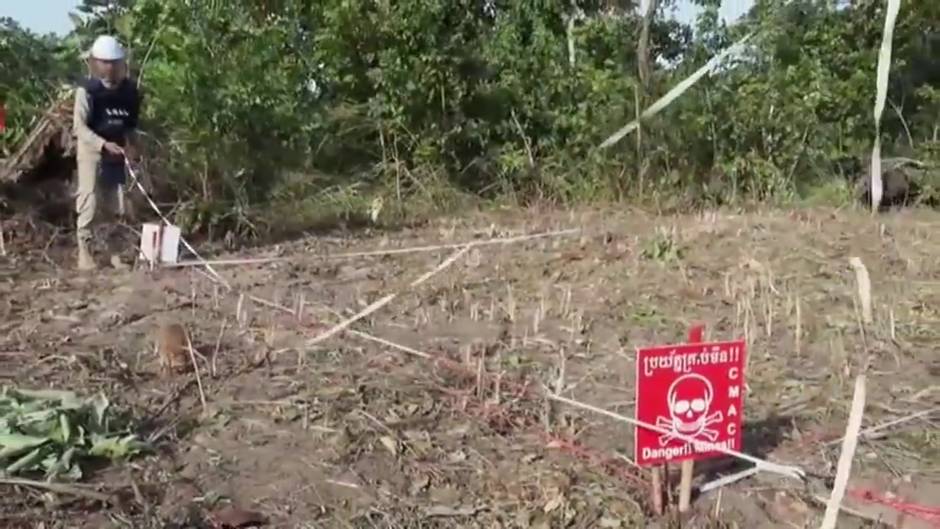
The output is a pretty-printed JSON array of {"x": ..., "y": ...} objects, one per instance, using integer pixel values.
[
  {"x": 425, "y": 412},
  {"x": 52, "y": 130}
]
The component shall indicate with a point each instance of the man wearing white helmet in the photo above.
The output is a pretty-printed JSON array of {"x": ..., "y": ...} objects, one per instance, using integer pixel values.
[{"x": 107, "y": 107}]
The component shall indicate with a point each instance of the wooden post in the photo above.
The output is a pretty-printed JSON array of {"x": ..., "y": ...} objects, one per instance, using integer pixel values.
[
  {"x": 685, "y": 485},
  {"x": 688, "y": 467},
  {"x": 657, "y": 489}
]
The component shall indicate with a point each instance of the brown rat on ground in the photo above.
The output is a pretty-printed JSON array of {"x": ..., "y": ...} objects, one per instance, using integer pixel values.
[{"x": 173, "y": 348}]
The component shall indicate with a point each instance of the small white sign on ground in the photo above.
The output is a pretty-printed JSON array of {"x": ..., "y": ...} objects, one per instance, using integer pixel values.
[
  {"x": 170, "y": 245},
  {"x": 150, "y": 242},
  {"x": 159, "y": 243}
]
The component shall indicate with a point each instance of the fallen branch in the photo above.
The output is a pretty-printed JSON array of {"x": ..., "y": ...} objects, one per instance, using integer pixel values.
[{"x": 58, "y": 488}]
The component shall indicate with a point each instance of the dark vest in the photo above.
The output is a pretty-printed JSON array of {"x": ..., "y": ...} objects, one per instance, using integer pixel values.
[{"x": 114, "y": 111}]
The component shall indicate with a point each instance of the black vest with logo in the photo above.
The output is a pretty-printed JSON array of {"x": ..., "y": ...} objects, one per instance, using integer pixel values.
[{"x": 114, "y": 111}]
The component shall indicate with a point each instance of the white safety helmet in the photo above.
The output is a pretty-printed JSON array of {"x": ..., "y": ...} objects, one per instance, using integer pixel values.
[{"x": 107, "y": 48}]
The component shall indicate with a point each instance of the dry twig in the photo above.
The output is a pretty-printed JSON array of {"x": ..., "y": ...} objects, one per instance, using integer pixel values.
[
  {"x": 192, "y": 357},
  {"x": 218, "y": 346},
  {"x": 58, "y": 488}
]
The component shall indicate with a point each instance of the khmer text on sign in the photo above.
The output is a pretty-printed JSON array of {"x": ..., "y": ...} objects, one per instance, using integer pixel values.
[{"x": 693, "y": 390}]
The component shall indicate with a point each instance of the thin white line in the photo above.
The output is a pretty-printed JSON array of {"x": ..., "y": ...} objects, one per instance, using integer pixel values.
[
  {"x": 785, "y": 470},
  {"x": 156, "y": 209}
]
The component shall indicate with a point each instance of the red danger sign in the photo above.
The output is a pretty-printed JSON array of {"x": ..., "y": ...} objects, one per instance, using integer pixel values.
[{"x": 693, "y": 390}]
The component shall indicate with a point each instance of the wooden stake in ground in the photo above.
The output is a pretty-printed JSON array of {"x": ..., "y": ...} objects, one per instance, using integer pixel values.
[
  {"x": 688, "y": 467},
  {"x": 661, "y": 473},
  {"x": 849, "y": 443},
  {"x": 863, "y": 281},
  {"x": 657, "y": 489}
]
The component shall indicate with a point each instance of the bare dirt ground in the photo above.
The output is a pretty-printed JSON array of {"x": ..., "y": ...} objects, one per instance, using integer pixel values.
[{"x": 442, "y": 425}]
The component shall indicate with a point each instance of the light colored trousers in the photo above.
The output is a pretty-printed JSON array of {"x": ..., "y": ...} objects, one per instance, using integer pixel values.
[{"x": 94, "y": 197}]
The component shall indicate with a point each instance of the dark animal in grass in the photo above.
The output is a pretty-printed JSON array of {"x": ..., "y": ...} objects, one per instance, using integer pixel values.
[{"x": 899, "y": 189}]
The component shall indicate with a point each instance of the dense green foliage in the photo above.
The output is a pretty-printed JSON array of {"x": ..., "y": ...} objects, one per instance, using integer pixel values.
[
  {"x": 31, "y": 70},
  {"x": 296, "y": 103}
]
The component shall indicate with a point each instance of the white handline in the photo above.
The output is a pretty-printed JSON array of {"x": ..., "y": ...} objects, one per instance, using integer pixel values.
[
  {"x": 156, "y": 209},
  {"x": 784, "y": 470},
  {"x": 385, "y": 300}
]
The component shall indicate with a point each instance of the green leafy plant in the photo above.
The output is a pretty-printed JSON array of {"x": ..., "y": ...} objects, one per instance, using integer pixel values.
[
  {"x": 53, "y": 432},
  {"x": 663, "y": 248}
]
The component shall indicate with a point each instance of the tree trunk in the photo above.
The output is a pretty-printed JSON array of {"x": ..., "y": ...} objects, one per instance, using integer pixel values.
[{"x": 643, "y": 45}]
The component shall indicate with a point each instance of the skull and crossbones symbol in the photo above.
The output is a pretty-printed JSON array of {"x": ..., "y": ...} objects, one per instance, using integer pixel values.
[{"x": 690, "y": 397}]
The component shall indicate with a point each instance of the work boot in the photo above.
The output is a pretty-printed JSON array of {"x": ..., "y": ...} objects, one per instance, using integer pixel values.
[
  {"x": 114, "y": 243},
  {"x": 117, "y": 263},
  {"x": 86, "y": 261}
]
